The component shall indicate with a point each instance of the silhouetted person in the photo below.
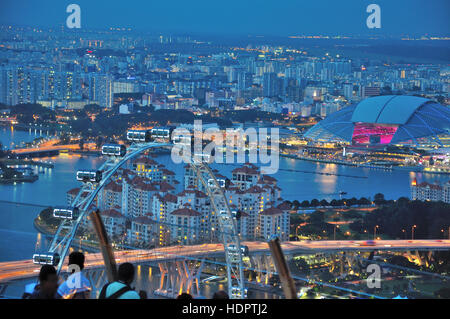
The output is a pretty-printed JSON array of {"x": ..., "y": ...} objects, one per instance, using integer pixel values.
[
  {"x": 77, "y": 286},
  {"x": 220, "y": 295},
  {"x": 121, "y": 288},
  {"x": 185, "y": 296},
  {"x": 47, "y": 286}
]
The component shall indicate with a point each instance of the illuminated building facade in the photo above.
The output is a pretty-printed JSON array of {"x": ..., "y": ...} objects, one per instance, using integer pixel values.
[
  {"x": 430, "y": 192},
  {"x": 394, "y": 119}
]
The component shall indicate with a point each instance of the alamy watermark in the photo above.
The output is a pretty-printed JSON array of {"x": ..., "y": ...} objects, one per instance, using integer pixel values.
[
  {"x": 74, "y": 280},
  {"x": 374, "y": 19},
  {"x": 374, "y": 279},
  {"x": 74, "y": 18},
  {"x": 256, "y": 146}
]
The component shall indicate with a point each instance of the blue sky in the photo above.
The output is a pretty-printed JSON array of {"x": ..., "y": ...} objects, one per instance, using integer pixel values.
[{"x": 264, "y": 17}]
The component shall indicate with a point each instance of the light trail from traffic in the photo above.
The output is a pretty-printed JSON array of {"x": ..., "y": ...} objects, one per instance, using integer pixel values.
[{"x": 25, "y": 268}]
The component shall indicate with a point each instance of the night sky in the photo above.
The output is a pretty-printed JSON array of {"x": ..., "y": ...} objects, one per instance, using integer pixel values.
[{"x": 238, "y": 17}]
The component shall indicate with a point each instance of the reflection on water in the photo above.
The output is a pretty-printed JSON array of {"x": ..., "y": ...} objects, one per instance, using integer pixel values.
[
  {"x": 327, "y": 183},
  {"x": 12, "y": 138}
]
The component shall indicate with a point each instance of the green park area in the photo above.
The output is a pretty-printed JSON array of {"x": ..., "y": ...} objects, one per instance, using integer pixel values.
[{"x": 384, "y": 219}]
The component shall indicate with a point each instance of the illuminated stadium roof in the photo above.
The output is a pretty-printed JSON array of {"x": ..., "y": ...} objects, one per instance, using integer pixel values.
[{"x": 385, "y": 119}]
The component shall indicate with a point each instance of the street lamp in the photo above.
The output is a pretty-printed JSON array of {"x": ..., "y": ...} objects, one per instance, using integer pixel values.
[
  {"x": 412, "y": 231},
  {"x": 404, "y": 233},
  {"x": 296, "y": 231},
  {"x": 335, "y": 226},
  {"x": 375, "y": 232}
]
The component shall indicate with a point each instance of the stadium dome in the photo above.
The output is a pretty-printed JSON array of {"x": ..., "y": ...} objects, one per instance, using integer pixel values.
[{"x": 385, "y": 119}]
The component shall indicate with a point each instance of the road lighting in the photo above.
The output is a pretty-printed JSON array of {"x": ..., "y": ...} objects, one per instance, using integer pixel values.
[
  {"x": 412, "y": 231},
  {"x": 375, "y": 232},
  {"x": 296, "y": 231},
  {"x": 212, "y": 234},
  {"x": 404, "y": 232},
  {"x": 443, "y": 233},
  {"x": 335, "y": 226}
]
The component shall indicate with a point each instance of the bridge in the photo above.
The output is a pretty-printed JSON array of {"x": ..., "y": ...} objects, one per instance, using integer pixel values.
[
  {"x": 41, "y": 151},
  {"x": 49, "y": 147},
  {"x": 25, "y": 268}
]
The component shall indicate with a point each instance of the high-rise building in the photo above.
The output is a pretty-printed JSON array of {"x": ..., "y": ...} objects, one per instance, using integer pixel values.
[
  {"x": 348, "y": 91},
  {"x": 293, "y": 91},
  {"x": 368, "y": 91},
  {"x": 245, "y": 80},
  {"x": 185, "y": 224},
  {"x": 100, "y": 89},
  {"x": 271, "y": 84},
  {"x": 19, "y": 85}
]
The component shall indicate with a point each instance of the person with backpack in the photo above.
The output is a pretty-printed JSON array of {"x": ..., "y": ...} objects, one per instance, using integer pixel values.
[{"x": 121, "y": 288}]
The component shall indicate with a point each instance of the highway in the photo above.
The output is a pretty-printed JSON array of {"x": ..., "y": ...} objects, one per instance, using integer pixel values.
[
  {"x": 25, "y": 268},
  {"x": 19, "y": 151},
  {"x": 49, "y": 146},
  {"x": 362, "y": 245}
]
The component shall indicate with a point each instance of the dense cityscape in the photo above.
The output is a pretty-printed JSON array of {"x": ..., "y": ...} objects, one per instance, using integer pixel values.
[{"x": 355, "y": 127}]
